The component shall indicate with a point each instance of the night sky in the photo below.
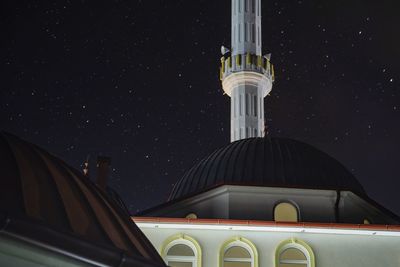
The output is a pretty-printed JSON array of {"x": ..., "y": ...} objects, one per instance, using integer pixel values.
[{"x": 138, "y": 81}]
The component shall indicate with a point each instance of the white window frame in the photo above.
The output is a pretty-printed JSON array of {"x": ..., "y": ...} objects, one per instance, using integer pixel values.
[
  {"x": 190, "y": 259},
  {"x": 242, "y": 245},
  {"x": 299, "y": 247}
]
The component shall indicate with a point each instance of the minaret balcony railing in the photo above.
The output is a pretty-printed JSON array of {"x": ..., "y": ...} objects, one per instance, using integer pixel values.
[{"x": 246, "y": 62}]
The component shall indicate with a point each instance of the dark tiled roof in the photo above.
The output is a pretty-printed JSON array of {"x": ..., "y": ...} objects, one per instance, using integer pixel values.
[
  {"x": 275, "y": 162},
  {"x": 41, "y": 187}
]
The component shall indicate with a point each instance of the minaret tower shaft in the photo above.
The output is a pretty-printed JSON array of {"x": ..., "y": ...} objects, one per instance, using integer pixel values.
[{"x": 246, "y": 75}]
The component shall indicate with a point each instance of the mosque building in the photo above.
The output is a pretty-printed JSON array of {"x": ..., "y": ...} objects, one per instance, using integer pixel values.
[
  {"x": 262, "y": 201},
  {"x": 256, "y": 202}
]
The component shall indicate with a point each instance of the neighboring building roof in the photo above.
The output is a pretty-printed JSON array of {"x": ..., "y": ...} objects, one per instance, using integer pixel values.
[
  {"x": 37, "y": 244},
  {"x": 276, "y": 162},
  {"x": 42, "y": 188}
]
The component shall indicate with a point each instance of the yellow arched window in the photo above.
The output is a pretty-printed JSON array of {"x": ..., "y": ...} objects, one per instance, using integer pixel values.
[
  {"x": 181, "y": 251},
  {"x": 292, "y": 257},
  {"x": 285, "y": 212},
  {"x": 294, "y": 253},
  {"x": 238, "y": 252},
  {"x": 236, "y": 256}
]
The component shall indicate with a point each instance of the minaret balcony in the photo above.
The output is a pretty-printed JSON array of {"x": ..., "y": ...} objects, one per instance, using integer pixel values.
[{"x": 246, "y": 62}]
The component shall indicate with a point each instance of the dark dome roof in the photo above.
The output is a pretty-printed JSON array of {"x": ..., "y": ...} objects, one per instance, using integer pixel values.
[
  {"x": 274, "y": 162},
  {"x": 42, "y": 188}
]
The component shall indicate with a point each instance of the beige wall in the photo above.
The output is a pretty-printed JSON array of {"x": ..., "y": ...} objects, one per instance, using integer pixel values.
[{"x": 331, "y": 250}]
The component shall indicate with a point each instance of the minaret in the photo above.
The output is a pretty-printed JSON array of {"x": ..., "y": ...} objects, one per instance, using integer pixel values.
[{"x": 246, "y": 75}]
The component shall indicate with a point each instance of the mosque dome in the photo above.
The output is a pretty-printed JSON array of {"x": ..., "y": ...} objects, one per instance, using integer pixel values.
[
  {"x": 44, "y": 200},
  {"x": 269, "y": 162}
]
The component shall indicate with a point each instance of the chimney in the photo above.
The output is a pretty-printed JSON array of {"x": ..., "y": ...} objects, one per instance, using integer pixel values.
[{"x": 103, "y": 170}]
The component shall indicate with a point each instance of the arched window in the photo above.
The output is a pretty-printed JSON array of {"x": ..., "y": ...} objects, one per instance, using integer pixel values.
[
  {"x": 191, "y": 216},
  {"x": 238, "y": 252},
  {"x": 293, "y": 257},
  {"x": 294, "y": 253},
  {"x": 285, "y": 212},
  {"x": 181, "y": 251}
]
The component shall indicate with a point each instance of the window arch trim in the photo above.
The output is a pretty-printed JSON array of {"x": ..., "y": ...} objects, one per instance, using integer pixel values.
[
  {"x": 298, "y": 244},
  {"x": 185, "y": 240},
  {"x": 242, "y": 242}
]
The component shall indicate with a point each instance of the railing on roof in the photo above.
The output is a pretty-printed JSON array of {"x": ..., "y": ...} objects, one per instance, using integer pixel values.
[{"x": 246, "y": 62}]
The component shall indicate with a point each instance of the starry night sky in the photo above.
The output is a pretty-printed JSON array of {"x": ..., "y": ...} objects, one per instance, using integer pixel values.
[{"x": 138, "y": 81}]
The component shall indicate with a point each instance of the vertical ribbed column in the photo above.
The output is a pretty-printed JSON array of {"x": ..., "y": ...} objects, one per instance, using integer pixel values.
[
  {"x": 246, "y": 75},
  {"x": 246, "y": 27}
]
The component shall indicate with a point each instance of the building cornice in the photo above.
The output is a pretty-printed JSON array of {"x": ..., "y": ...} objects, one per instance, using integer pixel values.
[{"x": 267, "y": 226}]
